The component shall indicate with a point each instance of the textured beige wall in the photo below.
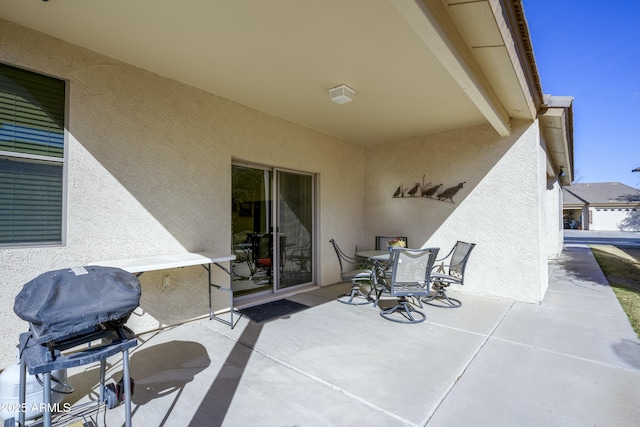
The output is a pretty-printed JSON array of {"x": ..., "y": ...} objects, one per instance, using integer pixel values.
[
  {"x": 150, "y": 173},
  {"x": 554, "y": 228},
  {"x": 551, "y": 208},
  {"x": 498, "y": 208}
]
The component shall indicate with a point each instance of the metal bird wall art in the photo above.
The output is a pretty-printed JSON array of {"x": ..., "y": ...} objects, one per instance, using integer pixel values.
[
  {"x": 450, "y": 192},
  {"x": 399, "y": 192},
  {"x": 428, "y": 190},
  {"x": 414, "y": 190}
]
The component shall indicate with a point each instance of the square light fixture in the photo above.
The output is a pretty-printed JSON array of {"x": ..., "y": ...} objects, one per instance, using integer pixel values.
[{"x": 341, "y": 94}]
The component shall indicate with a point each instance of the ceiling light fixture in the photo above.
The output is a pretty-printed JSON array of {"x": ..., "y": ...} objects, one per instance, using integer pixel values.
[{"x": 341, "y": 94}]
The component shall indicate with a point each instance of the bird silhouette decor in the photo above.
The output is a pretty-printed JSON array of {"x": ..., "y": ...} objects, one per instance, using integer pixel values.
[
  {"x": 450, "y": 192},
  {"x": 399, "y": 192},
  {"x": 428, "y": 190},
  {"x": 414, "y": 190}
]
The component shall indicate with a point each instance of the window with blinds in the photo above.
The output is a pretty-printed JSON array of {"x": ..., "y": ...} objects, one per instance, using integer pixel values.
[{"x": 32, "y": 110}]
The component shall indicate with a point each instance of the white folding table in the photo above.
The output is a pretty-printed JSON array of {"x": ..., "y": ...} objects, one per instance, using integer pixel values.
[{"x": 138, "y": 266}]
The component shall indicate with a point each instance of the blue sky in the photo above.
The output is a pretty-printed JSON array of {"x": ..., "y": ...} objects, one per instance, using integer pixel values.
[{"x": 590, "y": 50}]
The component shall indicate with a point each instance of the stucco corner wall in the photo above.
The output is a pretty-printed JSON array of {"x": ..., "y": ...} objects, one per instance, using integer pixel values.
[
  {"x": 554, "y": 238},
  {"x": 551, "y": 210},
  {"x": 498, "y": 207}
]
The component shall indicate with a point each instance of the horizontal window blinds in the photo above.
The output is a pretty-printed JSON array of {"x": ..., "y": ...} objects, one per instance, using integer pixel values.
[
  {"x": 30, "y": 202},
  {"x": 32, "y": 109},
  {"x": 31, "y": 113}
]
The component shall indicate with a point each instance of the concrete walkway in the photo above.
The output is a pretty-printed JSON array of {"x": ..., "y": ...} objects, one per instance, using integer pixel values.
[{"x": 572, "y": 360}]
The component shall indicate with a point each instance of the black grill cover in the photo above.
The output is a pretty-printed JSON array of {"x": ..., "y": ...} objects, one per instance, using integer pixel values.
[{"x": 63, "y": 303}]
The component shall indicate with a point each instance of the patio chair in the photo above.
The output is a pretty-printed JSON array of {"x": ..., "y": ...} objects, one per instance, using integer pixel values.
[
  {"x": 382, "y": 241},
  {"x": 450, "y": 273},
  {"x": 382, "y": 271},
  {"x": 350, "y": 270},
  {"x": 262, "y": 256},
  {"x": 410, "y": 279},
  {"x": 301, "y": 256}
]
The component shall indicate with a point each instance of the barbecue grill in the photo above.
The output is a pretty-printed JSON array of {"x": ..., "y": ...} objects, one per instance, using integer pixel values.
[{"x": 72, "y": 308}]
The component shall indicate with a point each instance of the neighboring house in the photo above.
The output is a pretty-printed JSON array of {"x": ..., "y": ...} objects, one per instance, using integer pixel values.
[
  {"x": 156, "y": 128},
  {"x": 601, "y": 206}
]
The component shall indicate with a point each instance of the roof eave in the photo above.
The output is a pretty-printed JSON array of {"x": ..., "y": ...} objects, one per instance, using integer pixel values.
[{"x": 556, "y": 123}]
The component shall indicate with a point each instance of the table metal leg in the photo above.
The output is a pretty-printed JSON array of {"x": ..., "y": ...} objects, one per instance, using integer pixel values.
[
  {"x": 127, "y": 387},
  {"x": 210, "y": 302},
  {"x": 22, "y": 398},
  {"x": 103, "y": 368},
  {"x": 228, "y": 289},
  {"x": 46, "y": 398}
]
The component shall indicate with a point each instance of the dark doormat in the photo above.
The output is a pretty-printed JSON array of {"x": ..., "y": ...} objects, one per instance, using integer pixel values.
[{"x": 272, "y": 310}]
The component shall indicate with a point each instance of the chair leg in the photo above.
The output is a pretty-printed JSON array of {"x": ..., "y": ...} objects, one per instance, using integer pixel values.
[
  {"x": 376, "y": 300},
  {"x": 378, "y": 293},
  {"x": 406, "y": 313},
  {"x": 355, "y": 292},
  {"x": 378, "y": 289},
  {"x": 441, "y": 299}
]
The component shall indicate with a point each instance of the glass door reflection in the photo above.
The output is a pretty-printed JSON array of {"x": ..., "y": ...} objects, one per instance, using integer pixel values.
[
  {"x": 273, "y": 242},
  {"x": 295, "y": 228}
]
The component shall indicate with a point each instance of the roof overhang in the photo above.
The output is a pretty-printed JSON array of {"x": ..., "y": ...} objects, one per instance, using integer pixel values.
[
  {"x": 417, "y": 67},
  {"x": 556, "y": 123}
]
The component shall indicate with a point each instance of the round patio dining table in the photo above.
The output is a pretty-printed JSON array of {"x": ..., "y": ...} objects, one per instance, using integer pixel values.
[{"x": 374, "y": 255}]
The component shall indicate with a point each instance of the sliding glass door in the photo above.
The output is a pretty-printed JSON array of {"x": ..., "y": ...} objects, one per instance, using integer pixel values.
[
  {"x": 295, "y": 225},
  {"x": 272, "y": 229}
]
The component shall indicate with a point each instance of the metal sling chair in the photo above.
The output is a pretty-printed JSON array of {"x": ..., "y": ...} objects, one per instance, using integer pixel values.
[
  {"x": 450, "y": 273},
  {"x": 410, "y": 278},
  {"x": 357, "y": 276}
]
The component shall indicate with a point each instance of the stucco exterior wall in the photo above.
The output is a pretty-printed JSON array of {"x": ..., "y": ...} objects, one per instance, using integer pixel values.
[
  {"x": 553, "y": 212},
  {"x": 498, "y": 207},
  {"x": 551, "y": 205},
  {"x": 149, "y": 172}
]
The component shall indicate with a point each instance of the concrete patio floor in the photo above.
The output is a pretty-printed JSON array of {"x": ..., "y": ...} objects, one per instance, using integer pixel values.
[{"x": 572, "y": 360}]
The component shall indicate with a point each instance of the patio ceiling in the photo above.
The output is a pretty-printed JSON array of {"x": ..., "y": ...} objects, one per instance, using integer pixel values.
[{"x": 416, "y": 67}]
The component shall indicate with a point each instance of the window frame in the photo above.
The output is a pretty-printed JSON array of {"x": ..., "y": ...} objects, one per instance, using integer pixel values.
[{"x": 63, "y": 161}]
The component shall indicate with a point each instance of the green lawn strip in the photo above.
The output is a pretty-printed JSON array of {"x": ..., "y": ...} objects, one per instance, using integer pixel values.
[
  {"x": 630, "y": 302},
  {"x": 621, "y": 267}
]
